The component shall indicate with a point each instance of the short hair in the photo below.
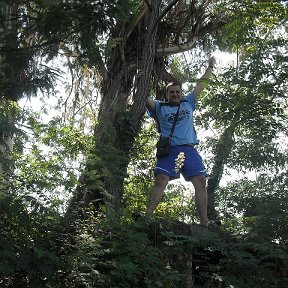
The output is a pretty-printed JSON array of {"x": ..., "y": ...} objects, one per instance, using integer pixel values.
[{"x": 174, "y": 83}]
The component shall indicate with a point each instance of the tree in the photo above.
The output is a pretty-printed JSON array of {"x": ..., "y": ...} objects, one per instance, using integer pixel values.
[
  {"x": 107, "y": 249},
  {"x": 178, "y": 25},
  {"x": 21, "y": 73},
  {"x": 251, "y": 110},
  {"x": 124, "y": 96},
  {"x": 8, "y": 73}
]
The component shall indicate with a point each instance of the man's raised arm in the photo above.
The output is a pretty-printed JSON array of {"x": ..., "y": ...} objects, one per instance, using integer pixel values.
[
  {"x": 207, "y": 74},
  {"x": 150, "y": 105}
]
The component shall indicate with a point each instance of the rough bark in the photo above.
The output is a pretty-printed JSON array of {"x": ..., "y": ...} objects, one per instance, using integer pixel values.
[{"x": 119, "y": 123}]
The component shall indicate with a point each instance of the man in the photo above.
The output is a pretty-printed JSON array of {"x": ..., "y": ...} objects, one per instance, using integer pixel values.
[{"x": 182, "y": 141}]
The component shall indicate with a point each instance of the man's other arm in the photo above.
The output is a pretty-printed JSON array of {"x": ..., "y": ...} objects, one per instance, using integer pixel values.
[
  {"x": 150, "y": 105},
  {"x": 207, "y": 74}
]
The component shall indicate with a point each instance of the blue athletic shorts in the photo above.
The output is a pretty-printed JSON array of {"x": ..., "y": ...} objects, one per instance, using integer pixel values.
[{"x": 193, "y": 164}]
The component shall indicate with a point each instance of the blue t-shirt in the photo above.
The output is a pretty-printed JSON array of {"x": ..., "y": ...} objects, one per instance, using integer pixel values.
[{"x": 184, "y": 132}]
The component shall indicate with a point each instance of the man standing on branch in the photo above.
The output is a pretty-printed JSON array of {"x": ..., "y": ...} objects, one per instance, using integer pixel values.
[{"x": 175, "y": 124}]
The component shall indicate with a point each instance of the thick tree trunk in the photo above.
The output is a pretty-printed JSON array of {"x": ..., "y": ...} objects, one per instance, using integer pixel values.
[{"x": 118, "y": 122}]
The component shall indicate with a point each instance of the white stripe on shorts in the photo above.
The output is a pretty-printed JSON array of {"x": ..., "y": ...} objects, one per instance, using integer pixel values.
[{"x": 162, "y": 169}]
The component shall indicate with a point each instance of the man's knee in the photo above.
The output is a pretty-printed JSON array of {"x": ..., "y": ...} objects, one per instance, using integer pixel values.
[
  {"x": 199, "y": 181},
  {"x": 161, "y": 181}
]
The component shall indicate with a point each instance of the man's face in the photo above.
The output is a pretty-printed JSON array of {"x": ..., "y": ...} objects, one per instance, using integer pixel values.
[{"x": 174, "y": 95}]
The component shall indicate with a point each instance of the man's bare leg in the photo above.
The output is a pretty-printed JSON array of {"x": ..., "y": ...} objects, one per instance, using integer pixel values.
[
  {"x": 155, "y": 197},
  {"x": 201, "y": 198}
]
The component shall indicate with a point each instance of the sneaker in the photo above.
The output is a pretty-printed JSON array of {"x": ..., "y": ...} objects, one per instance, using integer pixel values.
[
  {"x": 212, "y": 224},
  {"x": 140, "y": 217}
]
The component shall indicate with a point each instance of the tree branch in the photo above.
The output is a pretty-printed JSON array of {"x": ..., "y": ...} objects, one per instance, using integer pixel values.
[
  {"x": 132, "y": 24},
  {"x": 167, "y": 9},
  {"x": 174, "y": 49},
  {"x": 135, "y": 19},
  {"x": 148, "y": 4}
]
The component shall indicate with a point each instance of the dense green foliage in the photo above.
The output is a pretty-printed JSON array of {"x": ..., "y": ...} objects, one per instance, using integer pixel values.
[
  {"x": 244, "y": 107},
  {"x": 110, "y": 251}
]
